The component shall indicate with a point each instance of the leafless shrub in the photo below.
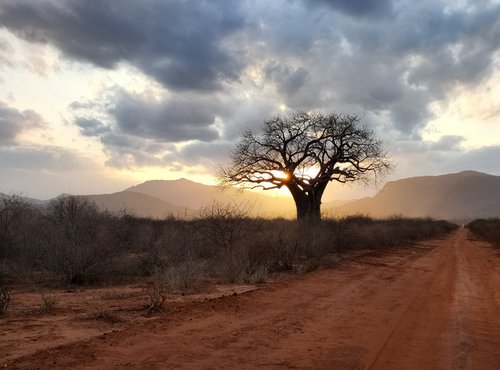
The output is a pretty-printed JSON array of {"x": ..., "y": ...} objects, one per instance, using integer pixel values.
[
  {"x": 19, "y": 226},
  {"x": 4, "y": 294},
  {"x": 184, "y": 275},
  {"x": 48, "y": 304},
  {"x": 259, "y": 274},
  {"x": 314, "y": 240},
  {"x": 362, "y": 232},
  {"x": 233, "y": 267},
  {"x": 79, "y": 240},
  {"x": 274, "y": 246},
  {"x": 157, "y": 294},
  {"x": 223, "y": 225},
  {"x": 486, "y": 229},
  {"x": 4, "y": 299}
]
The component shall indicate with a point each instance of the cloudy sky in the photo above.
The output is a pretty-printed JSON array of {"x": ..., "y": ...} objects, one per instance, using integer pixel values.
[{"x": 99, "y": 95}]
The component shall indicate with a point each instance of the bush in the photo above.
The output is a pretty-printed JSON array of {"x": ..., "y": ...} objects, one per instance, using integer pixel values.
[
  {"x": 488, "y": 230},
  {"x": 157, "y": 294},
  {"x": 184, "y": 275},
  {"x": 79, "y": 240},
  {"x": 4, "y": 294},
  {"x": 15, "y": 218},
  {"x": 361, "y": 232}
]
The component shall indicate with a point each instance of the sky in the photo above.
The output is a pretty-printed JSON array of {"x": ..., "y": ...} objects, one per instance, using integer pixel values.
[{"x": 99, "y": 95}]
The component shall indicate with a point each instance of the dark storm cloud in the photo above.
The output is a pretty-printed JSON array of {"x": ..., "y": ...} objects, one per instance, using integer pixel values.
[
  {"x": 179, "y": 43},
  {"x": 171, "y": 120},
  {"x": 439, "y": 46},
  {"x": 174, "y": 119},
  {"x": 358, "y": 8},
  {"x": 13, "y": 122},
  {"x": 125, "y": 151},
  {"x": 91, "y": 126},
  {"x": 210, "y": 155},
  {"x": 240, "y": 115},
  {"x": 288, "y": 80},
  {"x": 409, "y": 112},
  {"x": 138, "y": 129}
]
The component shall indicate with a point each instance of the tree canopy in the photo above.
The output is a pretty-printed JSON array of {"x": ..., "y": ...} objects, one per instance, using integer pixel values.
[{"x": 304, "y": 152}]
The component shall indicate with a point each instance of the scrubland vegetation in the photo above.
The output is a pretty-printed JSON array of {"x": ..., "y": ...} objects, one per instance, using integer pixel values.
[
  {"x": 71, "y": 242},
  {"x": 486, "y": 229}
]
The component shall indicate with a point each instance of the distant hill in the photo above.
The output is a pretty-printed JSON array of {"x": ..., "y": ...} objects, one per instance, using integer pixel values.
[
  {"x": 138, "y": 204},
  {"x": 458, "y": 196},
  {"x": 195, "y": 196},
  {"x": 34, "y": 201}
]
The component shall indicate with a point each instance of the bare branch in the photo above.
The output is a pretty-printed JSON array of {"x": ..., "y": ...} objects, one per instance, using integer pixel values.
[{"x": 304, "y": 152}]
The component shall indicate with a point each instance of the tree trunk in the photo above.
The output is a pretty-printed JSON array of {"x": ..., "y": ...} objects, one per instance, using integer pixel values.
[
  {"x": 308, "y": 204},
  {"x": 308, "y": 209}
]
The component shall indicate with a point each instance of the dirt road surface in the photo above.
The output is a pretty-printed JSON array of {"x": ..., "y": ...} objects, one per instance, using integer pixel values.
[{"x": 431, "y": 306}]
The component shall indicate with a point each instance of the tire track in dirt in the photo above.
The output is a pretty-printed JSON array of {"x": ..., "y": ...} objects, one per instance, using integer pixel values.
[
  {"x": 432, "y": 306},
  {"x": 454, "y": 324}
]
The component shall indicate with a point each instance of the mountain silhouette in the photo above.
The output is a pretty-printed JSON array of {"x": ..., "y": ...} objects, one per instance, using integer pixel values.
[
  {"x": 196, "y": 196},
  {"x": 138, "y": 204},
  {"x": 458, "y": 196}
]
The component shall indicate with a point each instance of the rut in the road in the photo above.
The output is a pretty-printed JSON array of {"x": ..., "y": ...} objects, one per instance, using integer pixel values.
[{"x": 433, "y": 306}]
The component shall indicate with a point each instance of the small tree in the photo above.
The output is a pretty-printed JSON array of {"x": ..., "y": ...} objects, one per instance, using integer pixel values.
[
  {"x": 304, "y": 152},
  {"x": 15, "y": 213},
  {"x": 79, "y": 240}
]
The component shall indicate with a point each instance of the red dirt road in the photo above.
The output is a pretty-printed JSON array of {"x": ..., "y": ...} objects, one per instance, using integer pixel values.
[{"x": 433, "y": 306}]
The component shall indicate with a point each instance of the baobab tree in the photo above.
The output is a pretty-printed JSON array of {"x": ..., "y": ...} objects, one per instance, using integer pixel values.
[{"x": 304, "y": 152}]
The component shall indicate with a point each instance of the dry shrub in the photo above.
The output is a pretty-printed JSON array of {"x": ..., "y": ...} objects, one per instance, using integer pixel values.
[
  {"x": 4, "y": 290},
  {"x": 224, "y": 225},
  {"x": 486, "y": 229},
  {"x": 184, "y": 275},
  {"x": 362, "y": 232},
  {"x": 4, "y": 299},
  {"x": 48, "y": 304},
  {"x": 258, "y": 275},
  {"x": 79, "y": 240},
  {"x": 233, "y": 267},
  {"x": 156, "y": 291},
  {"x": 15, "y": 216},
  {"x": 274, "y": 246}
]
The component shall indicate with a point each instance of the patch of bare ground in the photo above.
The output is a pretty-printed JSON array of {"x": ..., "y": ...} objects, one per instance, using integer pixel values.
[
  {"x": 431, "y": 306},
  {"x": 45, "y": 319}
]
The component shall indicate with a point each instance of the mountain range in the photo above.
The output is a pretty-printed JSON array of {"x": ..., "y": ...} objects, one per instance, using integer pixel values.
[{"x": 459, "y": 196}]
